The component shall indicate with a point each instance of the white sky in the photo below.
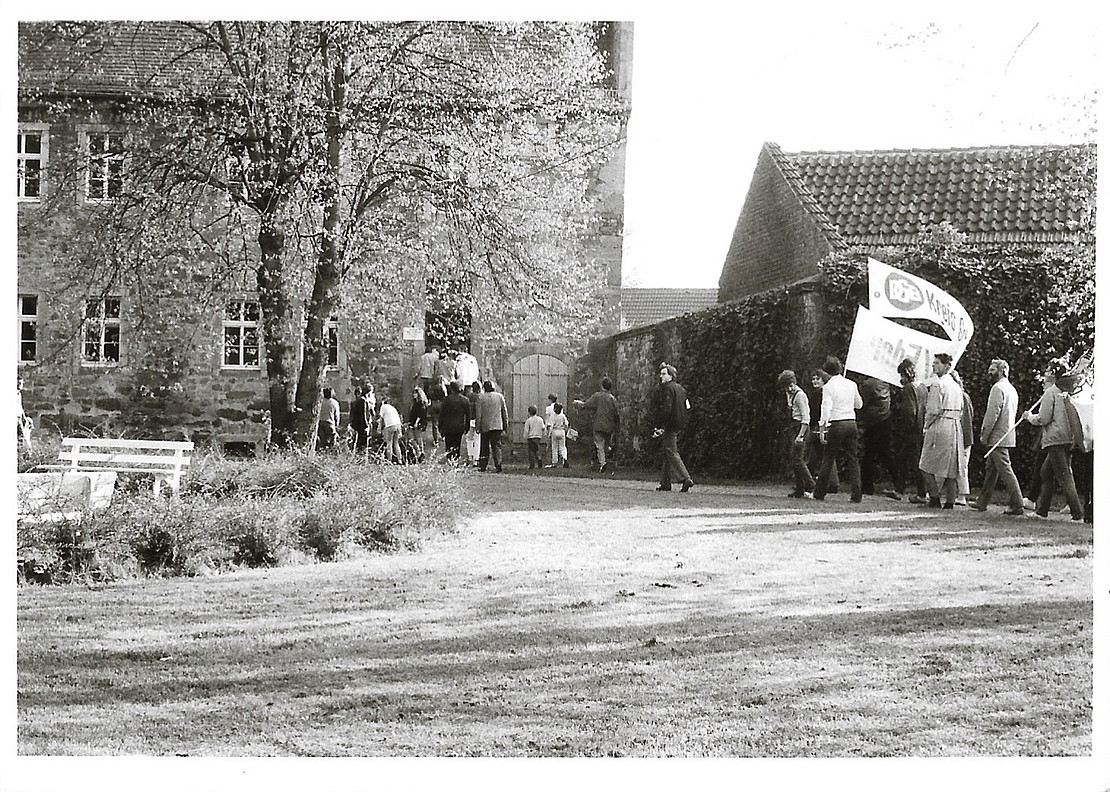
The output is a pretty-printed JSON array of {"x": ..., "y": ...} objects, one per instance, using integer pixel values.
[{"x": 707, "y": 92}]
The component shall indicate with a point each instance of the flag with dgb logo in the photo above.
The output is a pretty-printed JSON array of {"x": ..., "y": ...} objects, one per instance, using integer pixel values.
[{"x": 878, "y": 345}]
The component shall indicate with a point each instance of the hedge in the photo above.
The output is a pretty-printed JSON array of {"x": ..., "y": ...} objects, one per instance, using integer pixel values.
[{"x": 1029, "y": 305}]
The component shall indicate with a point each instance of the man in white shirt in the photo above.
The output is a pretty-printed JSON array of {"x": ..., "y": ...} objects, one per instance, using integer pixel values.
[
  {"x": 329, "y": 421},
  {"x": 426, "y": 369},
  {"x": 389, "y": 421},
  {"x": 839, "y": 401}
]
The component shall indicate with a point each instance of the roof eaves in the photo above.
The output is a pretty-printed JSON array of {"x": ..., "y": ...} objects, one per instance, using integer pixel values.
[{"x": 805, "y": 197}]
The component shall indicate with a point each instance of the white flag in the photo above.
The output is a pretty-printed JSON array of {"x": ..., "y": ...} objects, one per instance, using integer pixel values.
[
  {"x": 899, "y": 295},
  {"x": 878, "y": 345}
]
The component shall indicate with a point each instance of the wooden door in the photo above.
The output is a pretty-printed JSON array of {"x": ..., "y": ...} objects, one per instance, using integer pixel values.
[{"x": 534, "y": 377}]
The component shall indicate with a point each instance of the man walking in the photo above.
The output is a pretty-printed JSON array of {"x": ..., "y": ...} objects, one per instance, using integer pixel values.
[
  {"x": 491, "y": 421},
  {"x": 798, "y": 404},
  {"x": 875, "y": 418},
  {"x": 607, "y": 419},
  {"x": 998, "y": 432},
  {"x": 839, "y": 402},
  {"x": 329, "y": 421},
  {"x": 908, "y": 425},
  {"x": 670, "y": 419},
  {"x": 360, "y": 420}
]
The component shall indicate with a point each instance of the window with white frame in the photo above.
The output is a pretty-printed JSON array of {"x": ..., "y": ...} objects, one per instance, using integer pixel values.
[
  {"x": 102, "y": 331},
  {"x": 32, "y": 146},
  {"x": 104, "y": 165},
  {"x": 28, "y": 328},
  {"x": 241, "y": 348}
]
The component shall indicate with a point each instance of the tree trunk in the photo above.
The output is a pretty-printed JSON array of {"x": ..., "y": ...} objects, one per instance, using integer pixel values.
[
  {"x": 328, "y": 277},
  {"x": 280, "y": 336}
]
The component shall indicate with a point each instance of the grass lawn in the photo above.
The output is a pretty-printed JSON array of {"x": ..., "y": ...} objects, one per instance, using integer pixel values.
[{"x": 594, "y": 617}]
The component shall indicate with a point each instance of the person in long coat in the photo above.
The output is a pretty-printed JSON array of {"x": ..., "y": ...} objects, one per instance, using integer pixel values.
[
  {"x": 491, "y": 421},
  {"x": 942, "y": 457}
]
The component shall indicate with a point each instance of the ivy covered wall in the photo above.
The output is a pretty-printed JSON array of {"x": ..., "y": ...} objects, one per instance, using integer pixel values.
[{"x": 1029, "y": 305}]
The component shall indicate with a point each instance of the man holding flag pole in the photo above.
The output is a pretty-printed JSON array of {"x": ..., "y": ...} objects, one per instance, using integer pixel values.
[{"x": 999, "y": 422}]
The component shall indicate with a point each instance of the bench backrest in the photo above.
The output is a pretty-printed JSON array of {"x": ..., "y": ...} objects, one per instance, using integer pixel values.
[{"x": 155, "y": 455}]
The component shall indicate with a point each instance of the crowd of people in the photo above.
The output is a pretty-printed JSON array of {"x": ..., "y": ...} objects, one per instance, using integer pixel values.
[
  {"x": 920, "y": 433},
  {"x": 923, "y": 434}
]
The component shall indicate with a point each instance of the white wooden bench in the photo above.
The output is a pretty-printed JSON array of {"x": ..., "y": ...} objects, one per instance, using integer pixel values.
[{"x": 165, "y": 459}]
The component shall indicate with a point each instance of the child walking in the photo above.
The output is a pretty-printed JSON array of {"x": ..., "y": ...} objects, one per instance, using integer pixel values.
[
  {"x": 534, "y": 429},
  {"x": 559, "y": 425}
]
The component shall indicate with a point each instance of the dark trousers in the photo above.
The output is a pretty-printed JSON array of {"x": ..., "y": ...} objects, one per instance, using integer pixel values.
[
  {"x": 361, "y": 439},
  {"x": 1033, "y": 491},
  {"x": 453, "y": 442},
  {"x": 490, "y": 446},
  {"x": 1083, "y": 468},
  {"x": 803, "y": 479},
  {"x": 672, "y": 462},
  {"x": 815, "y": 452},
  {"x": 534, "y": 453},
  {"x": 325, "y": 436},
  {"x": 841, "y": 441},
  {"x": 877, "y": 447},
  {"x": 907, "y": 458},
  {"x": 999, "y": 467},
  {"x": 1057, "y": 470}
]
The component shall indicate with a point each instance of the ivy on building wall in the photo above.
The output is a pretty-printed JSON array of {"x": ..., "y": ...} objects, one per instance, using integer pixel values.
[{"x": 1029, "y": 305}]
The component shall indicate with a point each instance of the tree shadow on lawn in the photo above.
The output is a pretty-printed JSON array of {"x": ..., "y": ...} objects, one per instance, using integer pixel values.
[
  {"x": 319, "y": 664},
  {"x": 903, "y": 526}
]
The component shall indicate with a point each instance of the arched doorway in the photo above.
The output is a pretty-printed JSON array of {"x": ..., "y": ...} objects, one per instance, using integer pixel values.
[{"x": 535, "y": 373}]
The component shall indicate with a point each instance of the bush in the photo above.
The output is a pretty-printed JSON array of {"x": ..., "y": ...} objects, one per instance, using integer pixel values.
[
  {"x": 288, "y": 473},
  {"x": 169, "y": 536},
  {"x": 246, "y": 512},
  {"x": 45, "y": 447}
]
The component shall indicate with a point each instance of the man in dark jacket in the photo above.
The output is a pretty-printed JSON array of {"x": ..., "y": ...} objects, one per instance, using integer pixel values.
[
  {"x": 908, "y": 422},
  {"x": 875, "y": 419},
  {"x": 454, "y": 420},
  {"x": 607, "y": 419},
  {"x": 360, "y": 419},
  {"x": 670, "y": 419}
]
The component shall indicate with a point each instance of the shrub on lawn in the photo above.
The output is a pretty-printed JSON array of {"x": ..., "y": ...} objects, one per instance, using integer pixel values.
[
  {"x": 395, "y": 508},
  {"x": 290, "y": 473},
  {"x": 45, "y": 448},
  {"x": 234, "y": 512}
]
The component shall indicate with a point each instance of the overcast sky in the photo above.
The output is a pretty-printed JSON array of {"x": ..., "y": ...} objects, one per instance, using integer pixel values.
[{"x": 708, "y": 91}]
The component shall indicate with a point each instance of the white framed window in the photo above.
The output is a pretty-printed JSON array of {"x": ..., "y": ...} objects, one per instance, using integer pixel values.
[
  {"x": 241, "y": 347},
  {"x": 331, "y": 333},
  {"x": 101, "y": 337},
  {"x": 105, "y": 162},
  {"x": 31, "y": 154},
  {"x": 28, "y": 312}
]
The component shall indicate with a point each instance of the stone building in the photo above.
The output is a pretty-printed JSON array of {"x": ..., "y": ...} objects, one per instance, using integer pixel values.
[{"x": 85, "y": 358}]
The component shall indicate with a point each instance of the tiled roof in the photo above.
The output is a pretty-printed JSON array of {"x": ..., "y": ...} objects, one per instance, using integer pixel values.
[
  {"x": 134, "y": 58},
  {"x": 648, "y": 306},
  {"x": 128, "y": 58},
  {"x": 993, "y": 194}
]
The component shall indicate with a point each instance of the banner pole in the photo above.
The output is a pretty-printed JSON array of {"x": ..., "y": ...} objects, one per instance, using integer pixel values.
[{"x": 1012, "y": 428}]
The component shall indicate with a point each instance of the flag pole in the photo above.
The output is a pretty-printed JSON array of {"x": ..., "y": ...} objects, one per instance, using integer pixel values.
[{"x": 1012, "y": 428}]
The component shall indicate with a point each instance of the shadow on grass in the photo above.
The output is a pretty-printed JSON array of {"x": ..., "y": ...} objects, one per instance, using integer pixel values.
[{"x": 324, "y": 659}]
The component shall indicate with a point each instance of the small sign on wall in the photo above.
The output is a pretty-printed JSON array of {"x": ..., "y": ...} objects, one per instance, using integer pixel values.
[{"x": 412, "y": 334}]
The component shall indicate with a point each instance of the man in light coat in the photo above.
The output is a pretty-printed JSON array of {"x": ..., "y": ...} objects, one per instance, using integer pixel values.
[
  {"x": 490, "y": 423},
  {"x": 998, "y": 432}
]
